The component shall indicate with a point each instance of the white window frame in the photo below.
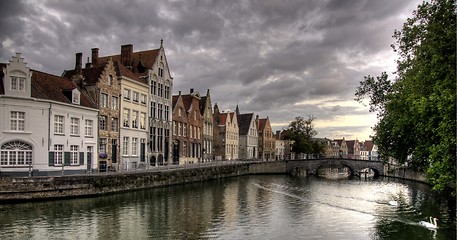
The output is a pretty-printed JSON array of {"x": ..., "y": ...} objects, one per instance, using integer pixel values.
[
  {"x": 16, "y": 153},
  {"x": 127, "y": 94},
  {"x": 114, "y": 102},
  {"x": 135, "y": 97},
  {"x": 59, "y": 124},
  {"x": 58, "y": 154},
  {"x": 74, "y": 126},
  {"x": 74, "y": 155},
  {"x": 125, "y": 146},
  {"x": 134, "y": 146},
  {"x": 17, "y": 121},
  {"x": 104, "y": 100},
  {"x": 88, "y": 128}
]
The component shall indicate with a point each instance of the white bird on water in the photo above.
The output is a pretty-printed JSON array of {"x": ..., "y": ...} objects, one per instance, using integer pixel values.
[
  {"x": 432, "y": 224},
  {"x": 393, "y": 203}
]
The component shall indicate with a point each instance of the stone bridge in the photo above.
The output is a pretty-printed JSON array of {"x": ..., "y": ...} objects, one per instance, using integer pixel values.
[{"x": 310, "y": 166}]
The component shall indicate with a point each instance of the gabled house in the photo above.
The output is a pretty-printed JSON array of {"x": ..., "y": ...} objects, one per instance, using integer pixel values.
[
  {"x": 342, "y": 147},
  {"x": 133, "y": 132},
  {"x": 353, "y": 147},
  {"x": 226, "y": 135},
  {"x": 266, "y": 144},
  {"x": 152, "y": 67},
  {"x": 206, "y": 111},
  {"x": 368, "y": 151},
  {"x": 49, "y": 125},
  {"x": 248, "y": 135},
  {"x": 100, "y": 82},
  {"x": 180, "y": 123},
  {"x": 192, "y": 106}
]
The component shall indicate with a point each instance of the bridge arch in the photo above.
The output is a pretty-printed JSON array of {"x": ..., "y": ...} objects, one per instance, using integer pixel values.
[{"x": 311, "y": 166}]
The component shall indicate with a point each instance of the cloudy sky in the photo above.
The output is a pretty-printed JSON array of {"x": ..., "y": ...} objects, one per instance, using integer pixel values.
[{"x": 277, "y": 58}]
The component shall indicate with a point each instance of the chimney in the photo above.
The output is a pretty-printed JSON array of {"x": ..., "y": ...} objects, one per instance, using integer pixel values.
[
  {"x": 78, "y": 64},
  {"x": 126, "y": 55},
  {"x": 94, "y": 56},
  {"x": 191, "y": 90}
]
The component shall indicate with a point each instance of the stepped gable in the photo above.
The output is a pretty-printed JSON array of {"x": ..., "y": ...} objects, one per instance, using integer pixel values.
[
  {"x": 91, "y": 75},
  {"x": 51, "y": 87}
]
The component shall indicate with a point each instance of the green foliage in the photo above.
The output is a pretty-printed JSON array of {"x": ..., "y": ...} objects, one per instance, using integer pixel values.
[
  {"x": 417, "y": 112},
  {"x": 301, "y": 132}
]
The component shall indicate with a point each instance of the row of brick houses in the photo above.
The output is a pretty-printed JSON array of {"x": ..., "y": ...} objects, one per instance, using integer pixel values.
[{"x": 118, "y": 113}]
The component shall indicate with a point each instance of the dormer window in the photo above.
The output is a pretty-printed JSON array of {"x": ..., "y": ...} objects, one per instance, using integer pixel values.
[
  {"x": 17, "y": 83},
  {"x": 76, "y": 97}
]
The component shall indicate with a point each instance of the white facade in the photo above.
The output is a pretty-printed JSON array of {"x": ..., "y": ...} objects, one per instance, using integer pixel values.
[
  {"x": 280, "y": 149},
  {"x": 249, "y": 140},
  {"x": 133, "y": 124},
  {"x": 41, "y": 136}
]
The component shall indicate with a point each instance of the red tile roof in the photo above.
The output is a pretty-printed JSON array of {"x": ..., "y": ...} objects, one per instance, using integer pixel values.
[
  {"x": 51, "y": 87},
  {"x": 222, "y": 119},
  {"x": 121, "y": 70},
  {"x": 91, "y": 75},
  {"x": 140, "y": 60},
  {"x": 262, "y": 123}
]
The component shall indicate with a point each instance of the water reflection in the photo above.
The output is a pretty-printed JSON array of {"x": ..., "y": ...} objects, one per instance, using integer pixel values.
[{"x": 254, "y": 207}]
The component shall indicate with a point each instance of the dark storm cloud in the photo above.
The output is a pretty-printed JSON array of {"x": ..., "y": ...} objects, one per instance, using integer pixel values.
[{"x": 268, "y": 56}]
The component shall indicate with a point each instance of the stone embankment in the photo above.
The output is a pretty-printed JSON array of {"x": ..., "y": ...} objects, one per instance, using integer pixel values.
[
  {"x": 21, "y": 189},
  {"x": 17, "y": 189}
]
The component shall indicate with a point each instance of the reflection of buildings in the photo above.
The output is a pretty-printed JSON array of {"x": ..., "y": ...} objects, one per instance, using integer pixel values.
[{"x": 334, "y": 172}]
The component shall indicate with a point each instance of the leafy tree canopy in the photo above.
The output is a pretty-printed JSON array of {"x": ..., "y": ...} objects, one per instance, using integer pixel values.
[
  {"x": 301, "y": 132},
  {"x": 417, "y": 111}
]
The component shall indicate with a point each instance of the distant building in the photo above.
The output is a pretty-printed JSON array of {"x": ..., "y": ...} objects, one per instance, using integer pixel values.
[
  {"x": 341, "y": 147},
  {"x": 368, "y": 151},
  {"x": 180, "y": 125},
  {"x": 194, "y": 131},
  {"x": 49, "y": 125},
  {"x": 266, "y": 140},
  {"x": 206, "y": 111},
  {"x": 226, "y": 135},
  {"x": 353, "y": 147},
  {"x": 248, "y": 135}
]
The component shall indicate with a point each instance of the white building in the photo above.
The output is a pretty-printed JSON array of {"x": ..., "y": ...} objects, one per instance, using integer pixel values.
[
  {"x": 49, "y": 126},
  {"x": 280, "y": 149},
  {"x": 134, "y": 124},
  {"x": 248, "y": 135}
]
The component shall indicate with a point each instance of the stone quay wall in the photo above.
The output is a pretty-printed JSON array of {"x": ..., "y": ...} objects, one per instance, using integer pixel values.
[
  {"x": 404, "y": 173},
  {"x": 23, "y": 189}
]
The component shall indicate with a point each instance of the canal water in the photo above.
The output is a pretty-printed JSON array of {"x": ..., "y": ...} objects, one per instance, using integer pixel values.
[{"x": 249, "y": 207}]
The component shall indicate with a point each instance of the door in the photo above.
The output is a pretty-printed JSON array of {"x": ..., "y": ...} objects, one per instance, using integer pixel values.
[{"x": 90, "y": 150}]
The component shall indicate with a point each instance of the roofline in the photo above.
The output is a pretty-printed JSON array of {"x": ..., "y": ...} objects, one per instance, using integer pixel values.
[{"x": 51, "y": 101}]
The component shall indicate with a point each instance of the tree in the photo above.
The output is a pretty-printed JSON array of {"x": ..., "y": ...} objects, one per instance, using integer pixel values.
[
  {"x": 417, "y": 111},
  {"x": 301, "y": 132}
]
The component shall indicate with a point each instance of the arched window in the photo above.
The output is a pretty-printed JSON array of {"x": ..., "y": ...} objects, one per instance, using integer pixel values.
[{"x": 16, "y": 153}]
